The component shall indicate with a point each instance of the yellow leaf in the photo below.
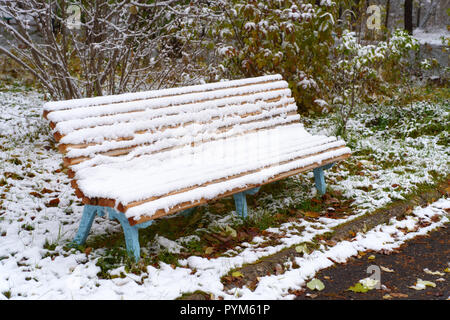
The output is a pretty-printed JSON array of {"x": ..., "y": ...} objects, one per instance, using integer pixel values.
[
  {"x": 133, "y": 9},
  {"x": 372, "y": 257},
  {"x": 386, "y": 269},
  {"x": 302, "y": 249},
  {"x": 434, "y": 273},
  {"x": 312, "y": 214},
  {"x": 229, "y": 230},
  {"x": 237, "y": 274}
]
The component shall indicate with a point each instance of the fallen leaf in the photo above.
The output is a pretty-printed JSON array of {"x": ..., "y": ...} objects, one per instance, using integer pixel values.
[
  {"x": 386, "y": 269},
  {"x": 53, "y": 203},
  {"x": 36, "y": 194},
  {"x": 421, "y": 284},
  {"x": 315, "y": 284},
  {"x": 237, "y": 274},
  {"x": 312, "y": 214},
  {"x": 387, "y": 296},
  {"x": 399, "y": 295},
  {"x": 435, "y": 218},
  {"x": 229, "y": 230},
  {"x": 369, "y": 283},
  {"x": 359, "y": 287},
  {"x": 371, "y": 257},
  {"x": 296, "y": 292},
  {"x": 209, "y": 250},
  {"x": 434, "y": 273},
  {"x": 364, "y": 285},
  {"x": 303, "y": 248},
  {"x": 133, "y": 10}
]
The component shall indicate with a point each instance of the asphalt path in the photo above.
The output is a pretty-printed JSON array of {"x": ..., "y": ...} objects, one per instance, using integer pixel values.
[{"x": 398, "y": 271}]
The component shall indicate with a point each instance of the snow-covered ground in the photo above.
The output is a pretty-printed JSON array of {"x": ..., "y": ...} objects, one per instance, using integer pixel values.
[
  {"x": 39, "y": 214},
  {"x": 431, "y": 37}
]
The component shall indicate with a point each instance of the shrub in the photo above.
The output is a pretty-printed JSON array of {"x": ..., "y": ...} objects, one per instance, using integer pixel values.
[
  {"x": 289, "y": 37},
  {"x": 362, "y": 72}
]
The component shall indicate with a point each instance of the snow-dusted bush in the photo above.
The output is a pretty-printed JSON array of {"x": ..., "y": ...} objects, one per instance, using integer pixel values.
[
  {"x": 363, "y": 71},
  {"x": 289, "y": 37}
]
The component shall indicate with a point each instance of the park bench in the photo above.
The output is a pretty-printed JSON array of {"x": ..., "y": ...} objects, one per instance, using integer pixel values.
[{"x": 142, "y": 156}]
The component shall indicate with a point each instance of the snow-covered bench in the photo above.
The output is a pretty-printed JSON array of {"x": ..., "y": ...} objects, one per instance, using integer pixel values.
[{"x": 141, "y": 156}]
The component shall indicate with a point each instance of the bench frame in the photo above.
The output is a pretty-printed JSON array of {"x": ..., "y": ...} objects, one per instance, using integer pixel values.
[{"x": 131, "y": 232}]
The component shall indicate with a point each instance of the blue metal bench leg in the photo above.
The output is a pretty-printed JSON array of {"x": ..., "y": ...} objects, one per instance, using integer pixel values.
[
  {"x": 241, "y": 204},
  {"x": 319, "y": 178},
  {"x": 240, "y": 201},
  {"x": 131, "y": 233},
  {"x": 87, "y": 219},
  {"x": 188, "y": 212}
]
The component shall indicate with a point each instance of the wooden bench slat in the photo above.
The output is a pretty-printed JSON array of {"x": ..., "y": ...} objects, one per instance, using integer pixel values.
[
  {"x": 119, "y": 129},
  {"x": 126, "y": 107},
  {"x": 67, "y": 126},
  {"x": 248, "y": 127},
  {"x": 127, "y": 97},
  {"x": 277, "y": 109},
  {"x": 148, "y": 133}
]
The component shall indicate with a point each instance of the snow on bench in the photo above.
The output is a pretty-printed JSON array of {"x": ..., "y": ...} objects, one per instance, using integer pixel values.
[{"x": 141, "y": 156}]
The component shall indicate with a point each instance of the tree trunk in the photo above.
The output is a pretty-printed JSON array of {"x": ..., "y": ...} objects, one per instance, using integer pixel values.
[
  {"x": 431, "y": 10},
  {"x": 408, "y": 16},
  {"x": 388, "y": 8},
  {"x": 418, "y": 14}
]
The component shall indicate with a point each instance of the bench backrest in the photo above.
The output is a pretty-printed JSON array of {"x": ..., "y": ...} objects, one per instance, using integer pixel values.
[{"x": 155, "y": 121}]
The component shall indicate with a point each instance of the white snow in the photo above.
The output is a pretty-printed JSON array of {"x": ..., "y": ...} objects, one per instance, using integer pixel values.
[
  {"x": 30, "y": 270},
  {"x": 431, "y": 37}
]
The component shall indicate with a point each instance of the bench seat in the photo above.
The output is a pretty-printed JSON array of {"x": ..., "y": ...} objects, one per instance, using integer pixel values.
[
  {"x": 157, "y": 183},
  {"x": 145, "y": 155}
]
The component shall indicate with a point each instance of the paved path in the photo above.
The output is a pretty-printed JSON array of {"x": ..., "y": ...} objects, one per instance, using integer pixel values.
[{"x": 431, "y": 252}]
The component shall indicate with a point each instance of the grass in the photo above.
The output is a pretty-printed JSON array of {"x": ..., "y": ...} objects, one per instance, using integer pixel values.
[
  {"x": 277, "y": 203},
  {"x": 206, "y": 295}
]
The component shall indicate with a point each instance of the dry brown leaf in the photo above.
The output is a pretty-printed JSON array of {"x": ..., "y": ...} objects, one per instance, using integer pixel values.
[
  {"x": 399, "y": 295},
  {"x": 312, "y": 214}
]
